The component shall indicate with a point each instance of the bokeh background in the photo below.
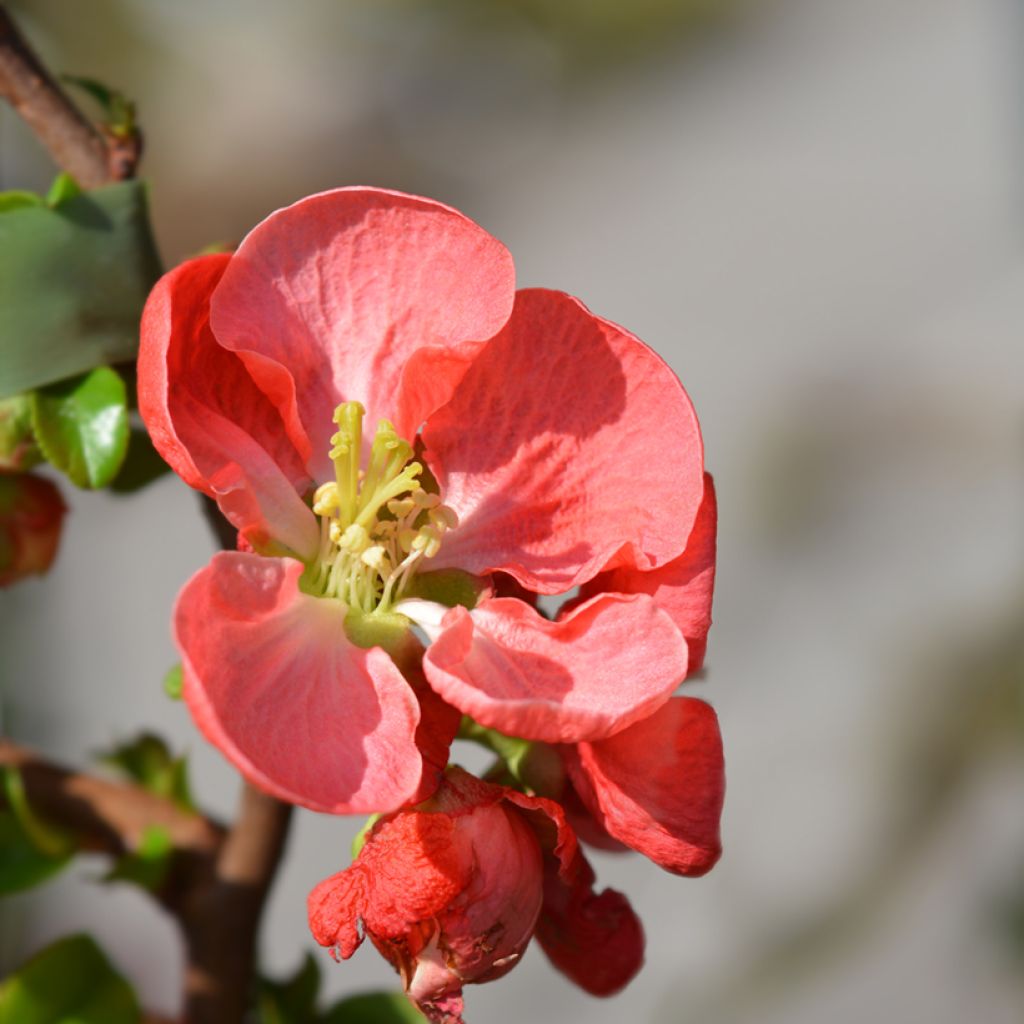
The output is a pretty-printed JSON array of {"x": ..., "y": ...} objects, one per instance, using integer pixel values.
[{"x": 813, "y": 209}]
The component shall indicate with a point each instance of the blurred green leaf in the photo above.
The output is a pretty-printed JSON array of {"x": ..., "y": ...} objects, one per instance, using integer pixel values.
[
  {"x": 374, "y": 1008},
  {"x": 64, "y": 187},
  {"x": 47, "y": 839},
  {"x": 18, "y": 199},
  {"x": 292, "y": 1001},
  {"x": 118, "y": 110},
  {"x": 146, "y": 866},
  {"x": 22, "y": 865},
  {"x": 81, "y": 426},
  {"x": 173, "y": 682},
  {"x": 70, "y": 982},
  {"x": 73, "y": 280},
  {"x": 142, "y": 465},
  {"x": 148, "y": 761}
]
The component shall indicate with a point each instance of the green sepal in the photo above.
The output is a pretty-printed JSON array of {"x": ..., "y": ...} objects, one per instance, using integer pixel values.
[
  {"x": 147, "y": 865},
  {"x": 148, "y": 761},
  {"x": 81, "y": 426},
  {"x": 18, "y": 448},
  {"x": 292, "y": 1001},
  {"x": 73, "y": 280},
  {"x": 535, "y": 766},
  {"x": 174, "y": 682},
  {"x": 70, "y": 982},
  {"x": 374, "y": 1008},
  {"x": 449, "y": 587},
  {"x": 359, "y": 841}
]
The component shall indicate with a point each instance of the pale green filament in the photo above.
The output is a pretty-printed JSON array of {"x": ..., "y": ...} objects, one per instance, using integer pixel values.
[{"x": 377, "y": 527}]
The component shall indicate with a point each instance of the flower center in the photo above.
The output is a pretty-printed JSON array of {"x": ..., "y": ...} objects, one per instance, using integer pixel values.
[{"x": 376, "y": 525}]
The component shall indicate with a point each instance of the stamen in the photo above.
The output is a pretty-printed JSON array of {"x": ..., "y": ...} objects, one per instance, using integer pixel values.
[{"x": 377, "y": 526}]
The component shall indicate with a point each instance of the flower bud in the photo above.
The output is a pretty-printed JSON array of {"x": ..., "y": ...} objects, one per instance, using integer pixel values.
[
  {"x": 31, "y": 510},
  {"x": 448, "y": 892}
]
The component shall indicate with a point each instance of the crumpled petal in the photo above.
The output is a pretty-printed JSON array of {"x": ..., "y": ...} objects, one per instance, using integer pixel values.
[
  {"x": 658, "y": 786},
  {"x": 595, "y": 939},
  {"x": 211, "y": 423},
  {"x": 272, "y": 680},
  {"x": 567, "y": 441},
  {"x": 684, "y": 587},
  {"x": 582, "y": 677},
  {"x": 328, "y": 299}
]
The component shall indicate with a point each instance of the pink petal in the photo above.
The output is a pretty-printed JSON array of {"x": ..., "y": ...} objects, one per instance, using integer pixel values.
[
  {"x": 329, "y": 299},
  {"x": 272, "y": 680},
  {"x": 567, "y": 440},
  {"x": 608, "y": 663},
  {"x": 684, "y": 587},
  {"x": 595, "y": 939},
  {"x": 658, "y": 786},
  {"x": 211, "y": 423}
]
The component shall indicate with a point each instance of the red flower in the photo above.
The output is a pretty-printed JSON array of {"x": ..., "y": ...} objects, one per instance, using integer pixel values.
[
  {"x": 564, "y": 451},
  {"x": 31, "y": 512},
  {"x": 450, "y": 893}
]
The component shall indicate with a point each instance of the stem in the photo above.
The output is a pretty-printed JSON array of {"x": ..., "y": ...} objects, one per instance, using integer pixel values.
[
  {"x": 221, "y": 920},
  {"x": 74, "y": 143}
]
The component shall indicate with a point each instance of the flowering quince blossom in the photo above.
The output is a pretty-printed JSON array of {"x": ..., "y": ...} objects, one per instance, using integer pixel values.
[
  {"x": 410, "y": 448},
  {"x": 451, "y": 891}
]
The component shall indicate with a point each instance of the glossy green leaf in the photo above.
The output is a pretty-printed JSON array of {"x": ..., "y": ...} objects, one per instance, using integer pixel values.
[
  {"x": 374, "y": 1008},
  {"x": 146, "y": 866},
  {"x": 81, "y": 426},
  {"x": 73, "y": 280},
  {"x": 118, "y": 110},
  {"x": 148, "y": 761},
  {"x": 70, "y": 982}
]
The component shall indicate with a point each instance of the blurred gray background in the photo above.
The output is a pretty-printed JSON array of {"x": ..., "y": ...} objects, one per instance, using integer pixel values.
[{"x": 813, "y": 209}]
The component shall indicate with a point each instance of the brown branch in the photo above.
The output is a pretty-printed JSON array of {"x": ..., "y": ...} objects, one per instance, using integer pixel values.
[
  {"x": 221, "y": 920},
  {"x": 108, "y": 817},
  {"x": 88, "y": 155}
]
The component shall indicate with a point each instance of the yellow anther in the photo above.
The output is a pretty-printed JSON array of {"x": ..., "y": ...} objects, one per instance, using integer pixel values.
[
  {"x": 325, "y": 499},
  {"x": 401, "y": 507},
  {"x": 444, "y": 517},
  {"x": 375, "y": 557},
  {"x": 424, "y": 499},
  {"x": 406, "y": 538},
  {"x": 354, "y": 538}
]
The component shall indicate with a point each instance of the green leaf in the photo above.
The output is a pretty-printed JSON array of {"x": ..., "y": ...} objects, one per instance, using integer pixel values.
[
  {"x": 148, "y": 761},
  {"x": 73, "y": 280},
  {"x": 118, "y": 110},
  {"x": 17, "y": 199},
  {"x": 49, "y": 840},
  {"x": 142, "y": 464},
  {"x": 22, "y": 865},
  {"x": 374, "y": 1008},
  {"x": 64, "y": 187},
  {"x": 81, "y": 426},
  {"x": 292, "y": 1001},
  {"x": 174, "y": 681},
  {"x": 70, "y": 982},
  {"x": 146, "y": 866}
]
